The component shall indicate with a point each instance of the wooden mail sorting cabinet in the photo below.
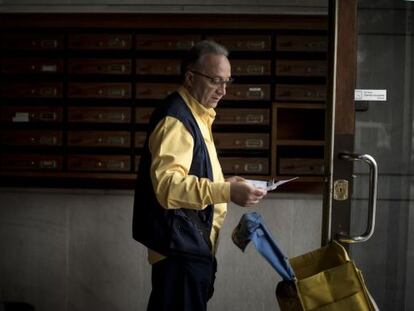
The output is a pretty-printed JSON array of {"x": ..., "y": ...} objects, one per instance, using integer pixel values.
[{"x": 76, "y": 99}]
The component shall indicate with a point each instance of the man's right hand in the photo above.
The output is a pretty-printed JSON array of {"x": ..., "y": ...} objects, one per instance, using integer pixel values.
[{"x": 245, "y": 194}]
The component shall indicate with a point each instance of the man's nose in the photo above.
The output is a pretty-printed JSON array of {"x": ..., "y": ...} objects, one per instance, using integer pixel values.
[{"x": 222, "y": 89}]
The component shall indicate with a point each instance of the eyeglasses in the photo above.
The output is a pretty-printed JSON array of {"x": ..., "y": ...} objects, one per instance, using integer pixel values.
[{"x": 214, "y": 80}]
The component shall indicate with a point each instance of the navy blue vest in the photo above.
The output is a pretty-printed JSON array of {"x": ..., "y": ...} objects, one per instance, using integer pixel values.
[{"x": 172, "y": 231}]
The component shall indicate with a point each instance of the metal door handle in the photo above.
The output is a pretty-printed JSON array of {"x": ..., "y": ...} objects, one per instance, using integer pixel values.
[{"x": 372, "y": 199}]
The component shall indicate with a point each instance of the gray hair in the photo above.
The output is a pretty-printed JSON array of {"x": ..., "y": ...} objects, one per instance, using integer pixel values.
[{"x": 196, "y": 53}]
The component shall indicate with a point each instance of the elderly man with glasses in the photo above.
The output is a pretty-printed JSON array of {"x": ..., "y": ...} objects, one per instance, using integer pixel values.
[{"x": 181, "y": 195}]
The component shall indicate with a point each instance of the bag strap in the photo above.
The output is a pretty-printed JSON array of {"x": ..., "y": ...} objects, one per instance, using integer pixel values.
[{"x": 192, "y": 214}]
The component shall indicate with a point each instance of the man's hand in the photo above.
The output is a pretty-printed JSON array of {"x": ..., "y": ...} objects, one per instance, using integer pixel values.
[{"x": 243, "y": 193}]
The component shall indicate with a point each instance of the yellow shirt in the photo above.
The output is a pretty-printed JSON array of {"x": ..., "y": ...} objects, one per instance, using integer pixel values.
[{"x": 171, "y": 147}]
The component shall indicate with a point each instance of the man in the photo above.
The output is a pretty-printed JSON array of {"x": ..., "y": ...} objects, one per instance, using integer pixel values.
[{"x": 181, "y": 196}]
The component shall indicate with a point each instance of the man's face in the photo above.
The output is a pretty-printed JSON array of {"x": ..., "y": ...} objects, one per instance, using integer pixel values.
[{"x": 200, "y": 82}]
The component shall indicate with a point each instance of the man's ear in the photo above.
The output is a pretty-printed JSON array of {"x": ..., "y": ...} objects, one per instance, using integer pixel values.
[{"x": 188, "y": 78}]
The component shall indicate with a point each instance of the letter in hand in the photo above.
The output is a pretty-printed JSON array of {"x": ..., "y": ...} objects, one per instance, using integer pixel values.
[{"x": 244, "y": 194}]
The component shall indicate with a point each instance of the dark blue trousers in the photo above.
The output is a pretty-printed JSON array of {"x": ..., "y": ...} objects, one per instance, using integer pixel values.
[{"x": 182, "y": 284}]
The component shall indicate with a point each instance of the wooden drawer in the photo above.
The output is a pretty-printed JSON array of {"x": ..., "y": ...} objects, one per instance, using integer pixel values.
[
  {"x": 31, "y": 41},
  {"x": 31, "y": 138},
  {"x": 244, "y": 141},
  {"x": 250, "y": 67},
  {"x": 99, "y": 114},
  {"x": 94, "y": 41},
  {"x": 100, "y": 90},
  {"x": 31, "y": 90},
  {"x": 140, "y": 139},
  {"x": 166, "y": 42},
  {"x": 231, "y": 116},
  {"x": 245, "y": 166},
  {"x": 155, "y": 90},
  {"x": 99, "y": 163},
  {"x": 244, "y": 42},
  {"x": 291, "y": 92},
  {"x": 301, "y": 43},
  {"x": 31, "y": 162},
  {"x": 30, "y": 114},
  {"x": 99, "y": 139},
  {"x": 100, "y": 66},
  {"x": 301, "y": 68},
  {"x": 301, "y": 124},
  {"x": 163, "y": 67},
  {"x": 31, "y": 65},
  {"x": 143, "y": 114},
  {"x": 248, "y": 92},
  {"x": 301, "y": 166}
]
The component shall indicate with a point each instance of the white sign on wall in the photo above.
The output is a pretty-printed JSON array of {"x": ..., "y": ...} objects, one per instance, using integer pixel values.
[{"x": 370, "y": 95}]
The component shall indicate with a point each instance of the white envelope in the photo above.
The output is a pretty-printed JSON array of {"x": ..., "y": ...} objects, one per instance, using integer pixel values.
[{"x": 270, "y": 184}]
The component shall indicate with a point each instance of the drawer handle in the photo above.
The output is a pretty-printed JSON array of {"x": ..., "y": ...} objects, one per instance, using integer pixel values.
[
  {"x": 48, "y": 164},
  {"x": 47, "y": 116},
  {"x": 256, "y": 44},
  {"x": 255, "y": 92},
  {"x": 117, "y": 68},
  {"x": 48, "y": 44},
  {"x": 254, "y": 118},
  {"x": 48, "y": 68},
  {"x": 184, "y": 44},
  {"x": 116, "y": 140},
  {"x": 117, "y": 92},
  {"x": 254, "y": 143},
  {"x": 116, "y": 42},
  {"x": 114, "y": 164},
  {"x": 257, "y": 69},
  {"x": 112, "y": 92},
  {"x": 112, "y": 116},
  {"x": 253, "y": 168},
  {"x": 47, "y": 140},
  {"x": 47, "y": 91}
]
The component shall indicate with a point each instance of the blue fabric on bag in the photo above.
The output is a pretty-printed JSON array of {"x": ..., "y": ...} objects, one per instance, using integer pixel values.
[{"x": 252, "y": 228}]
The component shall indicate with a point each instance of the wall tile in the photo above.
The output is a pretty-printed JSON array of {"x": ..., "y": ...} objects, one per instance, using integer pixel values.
[{"x": 33, "y": 240}]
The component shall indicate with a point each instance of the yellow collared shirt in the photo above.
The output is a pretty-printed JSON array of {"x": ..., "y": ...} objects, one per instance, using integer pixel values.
[{"x": 171, "y": 147}]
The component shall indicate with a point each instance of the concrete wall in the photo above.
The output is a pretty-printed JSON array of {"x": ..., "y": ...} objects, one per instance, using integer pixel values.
[{"x": 73, "y": 250}]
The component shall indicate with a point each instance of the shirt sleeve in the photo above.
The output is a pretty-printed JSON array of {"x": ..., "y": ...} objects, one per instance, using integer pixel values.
[{"x": 171, "y": 147}]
